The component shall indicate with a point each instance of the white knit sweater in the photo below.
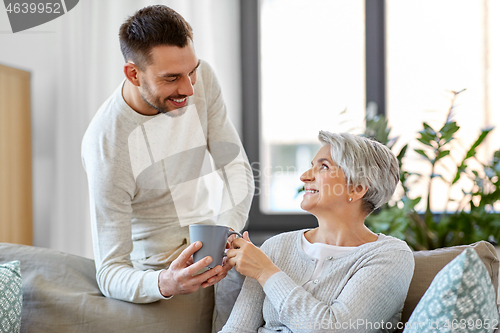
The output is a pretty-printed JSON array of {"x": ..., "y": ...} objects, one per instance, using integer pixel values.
[{"x": 359, "y": 291}]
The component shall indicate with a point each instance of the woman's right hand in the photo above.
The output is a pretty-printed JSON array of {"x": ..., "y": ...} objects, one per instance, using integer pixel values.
[{"x": 250, "y": 261}]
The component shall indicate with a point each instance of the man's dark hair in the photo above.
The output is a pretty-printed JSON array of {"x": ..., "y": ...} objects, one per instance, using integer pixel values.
[{"x": 149, "y": 27}]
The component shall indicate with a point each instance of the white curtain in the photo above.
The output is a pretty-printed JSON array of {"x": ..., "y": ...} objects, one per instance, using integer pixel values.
[{"x": 76, "y": 64}]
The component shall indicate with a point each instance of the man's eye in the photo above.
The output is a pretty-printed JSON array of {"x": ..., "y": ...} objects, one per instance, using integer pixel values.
[
  {"x": 324, "y": 166},
  {"x": 171, "y": 79},
  {"x": 192, "y": 72}
]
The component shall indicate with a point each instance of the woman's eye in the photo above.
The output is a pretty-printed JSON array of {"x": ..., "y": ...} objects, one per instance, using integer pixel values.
[{"x": 324, "y": 166}]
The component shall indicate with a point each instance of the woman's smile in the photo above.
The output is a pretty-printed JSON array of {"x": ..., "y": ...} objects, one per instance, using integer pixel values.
[{"x": 309, "y": 191}]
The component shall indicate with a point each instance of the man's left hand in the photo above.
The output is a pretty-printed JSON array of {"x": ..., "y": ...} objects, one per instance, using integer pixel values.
[{"x": 226, "y": 267}]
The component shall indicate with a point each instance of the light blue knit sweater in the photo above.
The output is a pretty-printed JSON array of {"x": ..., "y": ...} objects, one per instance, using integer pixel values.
[{"x": 360, "y": 291}]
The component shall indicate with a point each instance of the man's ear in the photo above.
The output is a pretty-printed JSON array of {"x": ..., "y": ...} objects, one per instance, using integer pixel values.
[{"x": 131, "y": 72}]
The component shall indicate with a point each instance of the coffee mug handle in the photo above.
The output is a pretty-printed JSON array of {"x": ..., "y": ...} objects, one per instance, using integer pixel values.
[{"x": 232, "y": 233}]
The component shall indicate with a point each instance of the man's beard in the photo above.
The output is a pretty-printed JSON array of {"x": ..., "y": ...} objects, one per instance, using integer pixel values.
[{"x": 157, "y": 104}]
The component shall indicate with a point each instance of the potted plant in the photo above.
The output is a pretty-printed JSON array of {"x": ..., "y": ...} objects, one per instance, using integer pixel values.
[{"x": 474, "y": 218}]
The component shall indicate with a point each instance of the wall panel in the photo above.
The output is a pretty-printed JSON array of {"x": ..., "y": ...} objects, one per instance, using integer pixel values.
[{"x": 16, "y": 203}]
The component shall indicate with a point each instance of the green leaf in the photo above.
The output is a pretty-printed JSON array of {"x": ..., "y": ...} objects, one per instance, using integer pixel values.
[
  {"x": 442, "y": 154},
  {"x": 447, "y": 141},
  {"x": 460, "y": 170},
  {"x": 429, "y": 129},
  {"x": 448, "y": 130},
  {"x": 415, "y": 201},
  {"x": 472, "y": 151},
  {"x": 421, "y": 152},
  {"x": 428, "y": 134},
  {"x": 425, "y": 141},
  {"x": 401, "y": 154}
]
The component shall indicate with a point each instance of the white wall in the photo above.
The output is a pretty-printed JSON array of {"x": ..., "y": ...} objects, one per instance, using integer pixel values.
[{"x": 76, "y": 63}]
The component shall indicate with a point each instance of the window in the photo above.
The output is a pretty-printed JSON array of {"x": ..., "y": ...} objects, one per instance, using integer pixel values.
[
  {"x": 312, "y": 69},
  {"x": 304, "y": 62},
  {"x": 443, "y": 46}
]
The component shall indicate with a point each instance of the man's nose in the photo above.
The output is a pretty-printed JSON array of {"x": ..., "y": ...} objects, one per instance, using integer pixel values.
[{"x": 186, "y": 87}]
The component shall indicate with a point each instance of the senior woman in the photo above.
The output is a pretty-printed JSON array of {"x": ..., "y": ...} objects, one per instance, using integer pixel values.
[{"x": 339, "y": 277}]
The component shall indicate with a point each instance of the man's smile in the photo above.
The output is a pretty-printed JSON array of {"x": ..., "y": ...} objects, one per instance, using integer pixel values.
[{"x": 178, "y": 103}]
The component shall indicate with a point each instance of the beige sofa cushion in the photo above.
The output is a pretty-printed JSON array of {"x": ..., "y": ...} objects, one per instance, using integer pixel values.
[{"x": 429, "y": 263}]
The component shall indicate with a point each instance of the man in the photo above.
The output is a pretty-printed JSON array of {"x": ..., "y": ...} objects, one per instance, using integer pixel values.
[{"x": 147, "y": 162}]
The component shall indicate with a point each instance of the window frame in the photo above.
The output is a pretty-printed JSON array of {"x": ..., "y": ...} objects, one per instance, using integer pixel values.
[{"x": 250, "y": 84}]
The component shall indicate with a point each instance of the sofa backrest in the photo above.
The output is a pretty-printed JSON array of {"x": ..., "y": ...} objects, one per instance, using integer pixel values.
[{"x": 429, "y": 263}]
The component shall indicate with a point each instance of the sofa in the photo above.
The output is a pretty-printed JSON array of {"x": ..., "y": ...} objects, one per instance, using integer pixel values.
[{"x": 60, "y": 293}]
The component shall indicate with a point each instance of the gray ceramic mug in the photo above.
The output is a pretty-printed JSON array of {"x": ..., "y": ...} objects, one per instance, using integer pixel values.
[{"x": 213, "y": 238}]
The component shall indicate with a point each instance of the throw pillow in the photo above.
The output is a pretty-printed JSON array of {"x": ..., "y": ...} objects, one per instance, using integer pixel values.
[
  {"x": 11, "y": 296},
  {"x": 461, "y": 298},
  {"x": 429, "y": 263}
]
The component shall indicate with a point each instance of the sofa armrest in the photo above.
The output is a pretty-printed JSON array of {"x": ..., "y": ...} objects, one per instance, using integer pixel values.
[{"x": 60, "y": 294}]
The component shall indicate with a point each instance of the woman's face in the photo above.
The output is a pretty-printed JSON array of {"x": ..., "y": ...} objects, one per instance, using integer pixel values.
[{"x": 324, "y": 184}]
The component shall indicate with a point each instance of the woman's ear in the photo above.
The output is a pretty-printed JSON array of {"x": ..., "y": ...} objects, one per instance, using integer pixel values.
[{"x": 357, "y": 192}]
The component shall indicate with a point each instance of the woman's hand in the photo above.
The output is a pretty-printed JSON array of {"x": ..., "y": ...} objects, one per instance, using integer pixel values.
[{"x": 250, "y": 261}]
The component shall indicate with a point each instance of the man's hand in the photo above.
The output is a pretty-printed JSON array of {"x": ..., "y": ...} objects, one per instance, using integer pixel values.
[
  {"x": 250, "y": 261},
  {"x": 180, "y": 277},
  {"x": 226, "y": 266}
]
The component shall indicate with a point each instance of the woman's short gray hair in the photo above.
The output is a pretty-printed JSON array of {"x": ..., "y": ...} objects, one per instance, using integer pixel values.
[{"x": 364, "y": 162}]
